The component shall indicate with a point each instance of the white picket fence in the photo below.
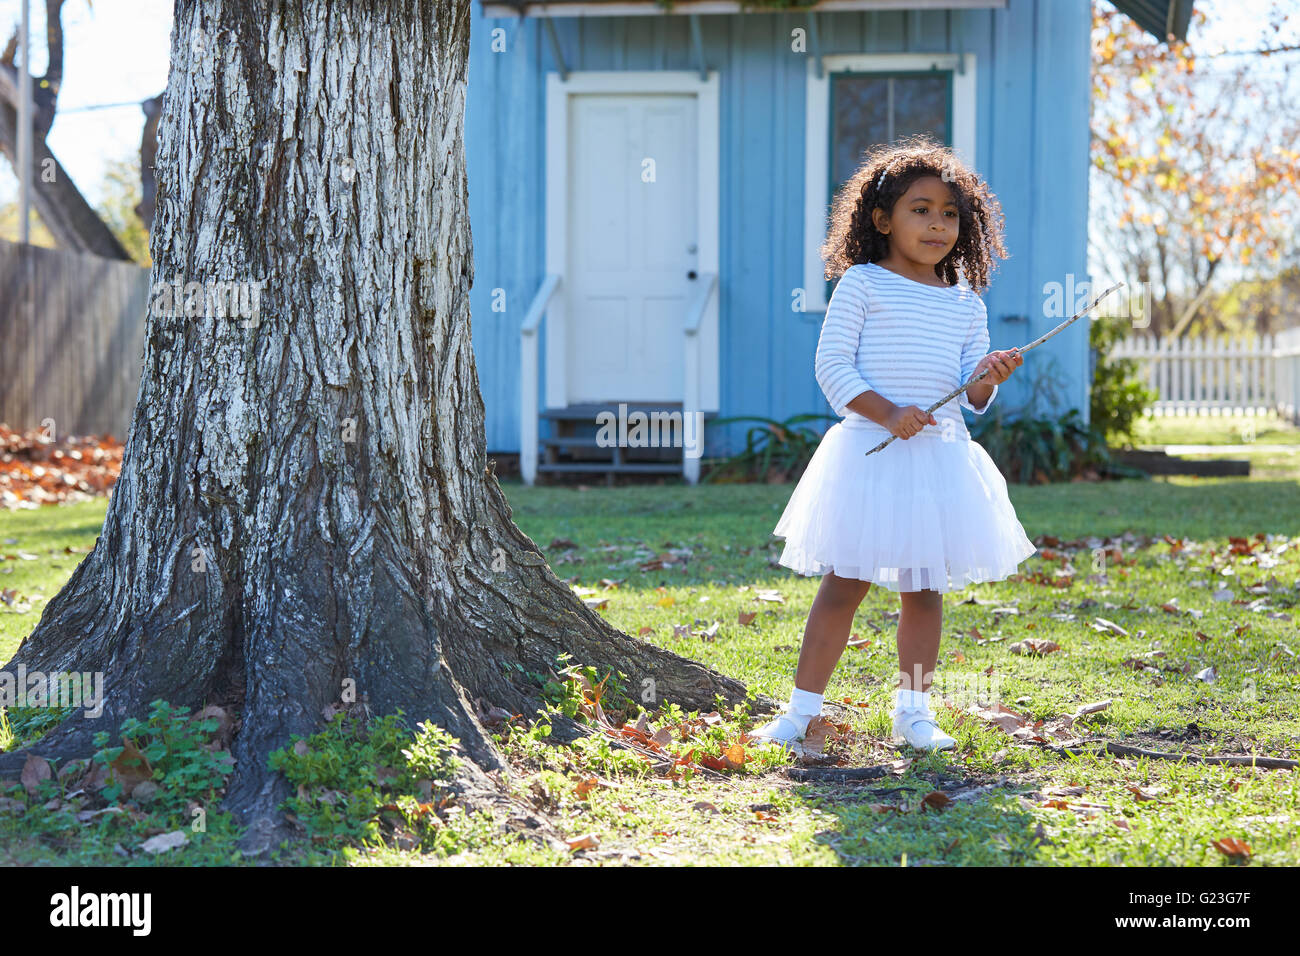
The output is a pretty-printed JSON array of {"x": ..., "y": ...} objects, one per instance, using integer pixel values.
[{"x": 1194, "y": 376}]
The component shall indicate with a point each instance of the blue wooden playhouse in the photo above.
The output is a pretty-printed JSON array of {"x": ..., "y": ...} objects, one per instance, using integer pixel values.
[{"x": 648, "y": 187}]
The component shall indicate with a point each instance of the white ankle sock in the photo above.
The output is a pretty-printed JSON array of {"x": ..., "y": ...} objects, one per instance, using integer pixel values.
[
  {"x": 804, "y": 706},
  {"x": 913, "y": 699}
]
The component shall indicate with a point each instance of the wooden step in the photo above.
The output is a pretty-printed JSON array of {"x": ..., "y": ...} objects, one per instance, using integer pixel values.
[
  {"x": 587, "y": 412},
  {"x": 581, "y": 453},
  {"x": 608, "y": 467},
  {"x": 577, "y": 441}
]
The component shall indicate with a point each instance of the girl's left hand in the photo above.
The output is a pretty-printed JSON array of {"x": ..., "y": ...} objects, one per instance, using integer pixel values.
[{"x": 1001, "y": 365}]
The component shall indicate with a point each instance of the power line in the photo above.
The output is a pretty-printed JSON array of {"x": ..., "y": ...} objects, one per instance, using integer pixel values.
[
  {"x": 1268, "y": 51},
  {"x": 138, "y": 104}
]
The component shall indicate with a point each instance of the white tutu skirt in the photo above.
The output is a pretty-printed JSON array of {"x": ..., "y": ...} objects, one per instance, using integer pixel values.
[{"x": 922, "y": 514}]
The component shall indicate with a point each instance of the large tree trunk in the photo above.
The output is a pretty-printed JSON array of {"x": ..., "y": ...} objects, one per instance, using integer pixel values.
[{"x": 305, "y": 501}]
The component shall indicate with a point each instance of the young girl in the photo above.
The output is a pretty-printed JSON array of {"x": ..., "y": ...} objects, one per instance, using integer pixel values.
[{"x": 929, "y": 513}]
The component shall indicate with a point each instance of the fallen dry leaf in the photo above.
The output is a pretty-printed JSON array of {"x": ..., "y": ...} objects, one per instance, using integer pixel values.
[
  {"x": 1035, "y": 646},
  {"x": 165, "y": 841},
  {"x": 1091, "y": 708},
  {"x": 1233, "y": 847},
  {"x": 935, "y": 800},
  {"x": 818, "y": 733},
  {"x": 1001, "y": 717},
  {"x": 34, "y": 470},
  {"x": 1145, "y": 793},
  {"x": 35, "y": 769},
  {"x": 734, "y": 756},
  {"x": 1066, "y": 791},
  {"x": 587, "y": 842}
]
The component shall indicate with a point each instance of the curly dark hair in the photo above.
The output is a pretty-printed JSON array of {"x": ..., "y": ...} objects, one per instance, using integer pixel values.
[{"x": 853, "y": 237}]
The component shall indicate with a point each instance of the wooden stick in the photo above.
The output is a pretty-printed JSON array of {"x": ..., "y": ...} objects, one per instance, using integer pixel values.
[
  {"x": 1024, "y": 348},
  {"x": 836, "y": 774},
  {"x": 1232, "y": 760}
]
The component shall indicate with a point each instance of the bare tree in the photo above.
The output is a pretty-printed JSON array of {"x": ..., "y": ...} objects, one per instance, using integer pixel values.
[{"x": 71, "y": 220}]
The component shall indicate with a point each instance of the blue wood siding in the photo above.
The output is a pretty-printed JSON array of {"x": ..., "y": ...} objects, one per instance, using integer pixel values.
[{"x": 1033, "y": 87}]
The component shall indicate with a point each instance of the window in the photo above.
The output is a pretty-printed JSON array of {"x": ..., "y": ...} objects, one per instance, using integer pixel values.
[{"x": 862, "y": 100}]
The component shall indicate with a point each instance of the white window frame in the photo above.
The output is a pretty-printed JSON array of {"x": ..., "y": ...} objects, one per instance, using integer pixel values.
[{"x": 817, "y": 139}]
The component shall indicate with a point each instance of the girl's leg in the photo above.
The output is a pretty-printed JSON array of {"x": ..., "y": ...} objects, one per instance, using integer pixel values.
[
  {"x": 824, "y": 638},
  {"x": 920, "y": 625},
  {"x": 827, "y": 632}
]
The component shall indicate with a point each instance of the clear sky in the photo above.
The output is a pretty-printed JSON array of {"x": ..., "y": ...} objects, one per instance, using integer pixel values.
[{"x": 116, "y": 51}]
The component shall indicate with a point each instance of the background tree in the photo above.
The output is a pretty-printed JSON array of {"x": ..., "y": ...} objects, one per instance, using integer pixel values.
[
  {"x": 10, "y": 226},
  {"x": 55, "y": 198},
  {"x": 1195, "y": 159},
  {"x": 119, "y": 207},
  {"x": 304, "y": 502}
]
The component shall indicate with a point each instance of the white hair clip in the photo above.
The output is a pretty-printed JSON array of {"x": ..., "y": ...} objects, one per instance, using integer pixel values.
[{"x": 881, "y": 178}]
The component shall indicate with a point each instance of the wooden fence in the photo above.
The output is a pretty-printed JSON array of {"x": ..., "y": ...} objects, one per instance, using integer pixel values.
[
  {"x": 1193, "y": 376},
  {"x": 71, "y": 339}
]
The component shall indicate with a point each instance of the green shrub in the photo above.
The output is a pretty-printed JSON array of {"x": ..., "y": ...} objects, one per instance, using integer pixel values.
[
  {"x": 167, "y": 774},
  {"x": 355, "y": 781},
  {"x": 175, "y": 747},
  {"x": 774, "y": 451},
  {"x": 1117, "y": 398},
  {"x": 1039, "y": 450}
]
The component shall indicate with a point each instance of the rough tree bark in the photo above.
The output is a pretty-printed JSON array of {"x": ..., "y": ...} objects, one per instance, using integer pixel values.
[{"x": 328, "y": 462}]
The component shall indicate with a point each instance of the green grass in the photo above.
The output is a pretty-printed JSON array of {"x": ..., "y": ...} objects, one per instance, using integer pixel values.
[
  {"x": 45, "y": 535},
  {"x": 1269, "y": 443},
  {"x": 721, "y": 539},
  {"x": 1214, "y": 430}
]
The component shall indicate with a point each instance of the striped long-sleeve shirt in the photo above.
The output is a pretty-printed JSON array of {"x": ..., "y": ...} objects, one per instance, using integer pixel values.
[{"x": 910, "y": 342}]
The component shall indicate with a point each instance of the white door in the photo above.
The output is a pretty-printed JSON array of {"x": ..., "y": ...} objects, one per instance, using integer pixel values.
[{"x": 632, "y": 222}]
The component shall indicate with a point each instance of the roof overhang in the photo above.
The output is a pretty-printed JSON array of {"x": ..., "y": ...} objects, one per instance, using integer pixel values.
[
  {"x": 1160, "y": 18},
  {"x": 633, "y": 8}
]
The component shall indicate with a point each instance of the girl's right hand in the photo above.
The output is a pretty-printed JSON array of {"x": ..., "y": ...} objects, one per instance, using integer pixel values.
[{"x": 907, "y": 421}]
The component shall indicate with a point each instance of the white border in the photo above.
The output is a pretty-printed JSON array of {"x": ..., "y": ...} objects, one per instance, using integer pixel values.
[
  {"x": 817, "y": 140},
  {"x": 557, "y": 205}
]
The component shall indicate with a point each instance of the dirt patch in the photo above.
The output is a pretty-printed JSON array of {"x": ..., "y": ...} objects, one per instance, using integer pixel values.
[{"x": 1196, "y": 739}]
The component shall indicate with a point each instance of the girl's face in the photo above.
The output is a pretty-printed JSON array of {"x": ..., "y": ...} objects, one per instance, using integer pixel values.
[{"x": 925, "y": 222}]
